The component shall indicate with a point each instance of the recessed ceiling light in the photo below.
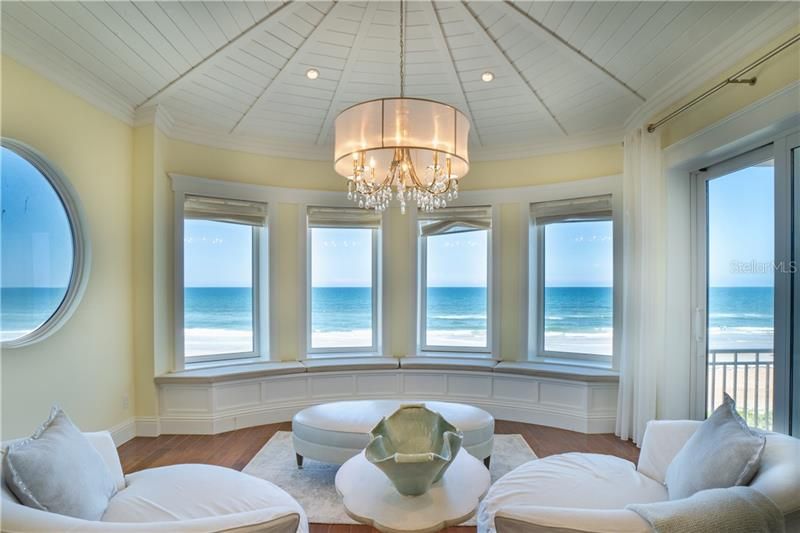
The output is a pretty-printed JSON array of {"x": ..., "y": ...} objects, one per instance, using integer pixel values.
[
  {"x": 487, "y": 76},
  {"x": 312, "y": 74}
]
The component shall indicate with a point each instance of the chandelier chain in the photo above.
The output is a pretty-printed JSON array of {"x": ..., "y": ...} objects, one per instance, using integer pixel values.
[{"x": 402, "y": 49}]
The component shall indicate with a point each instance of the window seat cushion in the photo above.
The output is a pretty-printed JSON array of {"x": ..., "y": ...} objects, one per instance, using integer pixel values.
[
  {"x": 228, "y": 373},
  {"x": 335, "y": 364},
  {"x": 447, "y": 363},
  {"x": 549, "y": 370}
]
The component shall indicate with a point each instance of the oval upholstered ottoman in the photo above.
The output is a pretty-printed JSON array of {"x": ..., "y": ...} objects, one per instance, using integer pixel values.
[{"x": 335, "y": 432}]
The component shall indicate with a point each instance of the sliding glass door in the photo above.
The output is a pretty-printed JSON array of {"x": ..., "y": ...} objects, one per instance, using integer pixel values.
[{"x": 743, "y": 286}]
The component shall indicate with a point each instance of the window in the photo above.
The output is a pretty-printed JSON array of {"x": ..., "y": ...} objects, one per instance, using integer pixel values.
[
  {"x": 575, "y": 282},
  {"x": 343, "y": 271},
  {"x": 45, "y": 254},
  {"x": 454, "y": 280},
  {"x": 223, "y": 241}
]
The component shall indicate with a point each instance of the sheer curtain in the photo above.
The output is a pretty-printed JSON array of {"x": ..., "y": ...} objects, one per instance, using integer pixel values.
[{"x": 644, "y": 275}]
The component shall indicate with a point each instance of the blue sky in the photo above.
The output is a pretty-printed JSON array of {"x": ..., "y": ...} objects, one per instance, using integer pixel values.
[
  {"x": 741, "y": 210},
  {"x": 457, "y": 260},
  {"x": 217, "y": 254},
  {"x": 341, "y": 257},
  {"x": 579, "y": 254},
  {"x": 36, "y": 240}
]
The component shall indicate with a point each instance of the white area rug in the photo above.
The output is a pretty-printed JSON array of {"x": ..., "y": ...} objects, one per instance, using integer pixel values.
[{"x": 313, "y": 486}]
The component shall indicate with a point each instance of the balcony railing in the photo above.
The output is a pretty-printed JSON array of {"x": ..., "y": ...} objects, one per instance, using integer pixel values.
[{"x": 746, "y": 375}]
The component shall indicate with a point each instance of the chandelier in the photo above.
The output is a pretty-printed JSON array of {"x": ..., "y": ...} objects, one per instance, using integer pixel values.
[{"x": 412, "y": 149}]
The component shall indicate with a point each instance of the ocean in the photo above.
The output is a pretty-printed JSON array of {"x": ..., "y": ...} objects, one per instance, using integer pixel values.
[{"x": 576, "y": 318}]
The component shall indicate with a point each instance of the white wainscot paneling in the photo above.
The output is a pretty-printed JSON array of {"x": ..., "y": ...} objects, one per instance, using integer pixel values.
[
  {"x": 587, "y": 407},
  {"x": 562, "y": 395},
  {"x": 516, "y": 389},
  {"x": 424, "y": 384},
  {"x": 237, "y": 396},
  {"x": 378, "y": 384},
  {"x": 473, "y": 385},
  {"x": 183, "y": 399},
  {"x": 331, "y": 386},
  {"x": 285, "y": 389},
  {"x": 603, "y": 399}
]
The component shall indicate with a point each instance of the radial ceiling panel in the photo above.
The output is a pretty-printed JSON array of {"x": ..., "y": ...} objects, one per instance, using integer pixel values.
[{"x": 234, "y": 73}]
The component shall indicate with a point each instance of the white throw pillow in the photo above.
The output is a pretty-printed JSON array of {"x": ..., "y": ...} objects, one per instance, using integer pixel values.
[
  {"x": 58, "y": 470},
  {"x": 722, "y": 453}
]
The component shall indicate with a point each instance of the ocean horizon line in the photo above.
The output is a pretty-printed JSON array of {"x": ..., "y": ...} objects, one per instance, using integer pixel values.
[{"x": 430, "y": 287}]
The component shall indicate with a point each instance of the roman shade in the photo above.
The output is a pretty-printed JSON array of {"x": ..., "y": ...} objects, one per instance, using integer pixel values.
[
  {"x": 338, "y": 217},
  {"x": 455, "y": 220},
  {"x": 225, "y": 210},
  {"x": 572, "y": 210}
]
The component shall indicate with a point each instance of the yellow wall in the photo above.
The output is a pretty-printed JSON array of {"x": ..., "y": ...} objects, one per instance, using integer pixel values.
[
  {"x": 544, "y": 169},
  {"x": 193, "y": 160},
  {"x": 777, "y": 73},
  {"x": 86, "y": 366}
]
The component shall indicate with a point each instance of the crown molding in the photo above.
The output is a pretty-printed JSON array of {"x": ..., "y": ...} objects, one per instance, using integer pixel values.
[
  {"x": 155, "y": 114},
  {"x": 713, "y": 65}
]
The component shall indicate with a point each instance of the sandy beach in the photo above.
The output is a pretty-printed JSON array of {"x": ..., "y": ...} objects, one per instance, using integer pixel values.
[{"x": 201, "y": 341}]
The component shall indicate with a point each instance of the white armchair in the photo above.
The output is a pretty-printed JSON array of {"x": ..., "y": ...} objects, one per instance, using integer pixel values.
[
  {"x": 188, "y": 498},
  {"x": 587, "y": 493}
]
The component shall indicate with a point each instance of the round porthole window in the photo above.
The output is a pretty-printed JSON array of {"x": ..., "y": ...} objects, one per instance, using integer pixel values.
[{"x": 45, "y": 253}]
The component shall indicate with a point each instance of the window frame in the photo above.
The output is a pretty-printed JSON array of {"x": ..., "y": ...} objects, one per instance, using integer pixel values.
[
  {"x": 373, "y": 349},
  {"x": 423, "y": 348},
  {"x": 261, "y": 274},
  {"x": 81, "y": 244},
  {"x": 539, "y": 288}
]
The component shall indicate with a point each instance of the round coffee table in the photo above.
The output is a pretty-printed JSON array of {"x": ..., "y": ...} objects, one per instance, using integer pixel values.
[{"x": 370, "y": 498}]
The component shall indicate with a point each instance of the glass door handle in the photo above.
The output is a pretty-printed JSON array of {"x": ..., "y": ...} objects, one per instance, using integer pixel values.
[{"x": 699, "y": 325}]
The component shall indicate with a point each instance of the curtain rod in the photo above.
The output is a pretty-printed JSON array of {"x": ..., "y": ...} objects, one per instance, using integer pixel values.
[{"x": 736, "y": 78}]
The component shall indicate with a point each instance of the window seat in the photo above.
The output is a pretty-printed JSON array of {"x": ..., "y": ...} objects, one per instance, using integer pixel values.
[
  {"x": 335, "y": 364},
  {"x": 549, "y": 370},
  {"x": 216, "y": 374},
  {"x": 216, "y": 399},
  {"x": 447, "y": 363}
]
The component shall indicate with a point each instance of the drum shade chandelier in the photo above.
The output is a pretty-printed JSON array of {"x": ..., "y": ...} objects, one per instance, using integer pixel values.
[{"x": 410, "y": 148}]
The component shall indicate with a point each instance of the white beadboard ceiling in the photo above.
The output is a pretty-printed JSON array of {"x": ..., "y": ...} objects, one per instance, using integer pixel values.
[{"x": 567, "y": 74}]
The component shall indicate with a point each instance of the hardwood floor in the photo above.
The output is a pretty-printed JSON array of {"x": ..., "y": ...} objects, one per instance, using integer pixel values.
[{"x": 235, "y": 449}]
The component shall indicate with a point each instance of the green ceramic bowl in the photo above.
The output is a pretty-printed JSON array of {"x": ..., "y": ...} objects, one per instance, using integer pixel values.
[{"x": 413, "y": 446}]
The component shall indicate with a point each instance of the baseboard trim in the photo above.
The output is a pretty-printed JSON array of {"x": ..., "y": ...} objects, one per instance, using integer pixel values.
[
  {"x": 148, "y": 426},
  {"x": 123, "y": 432}
]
